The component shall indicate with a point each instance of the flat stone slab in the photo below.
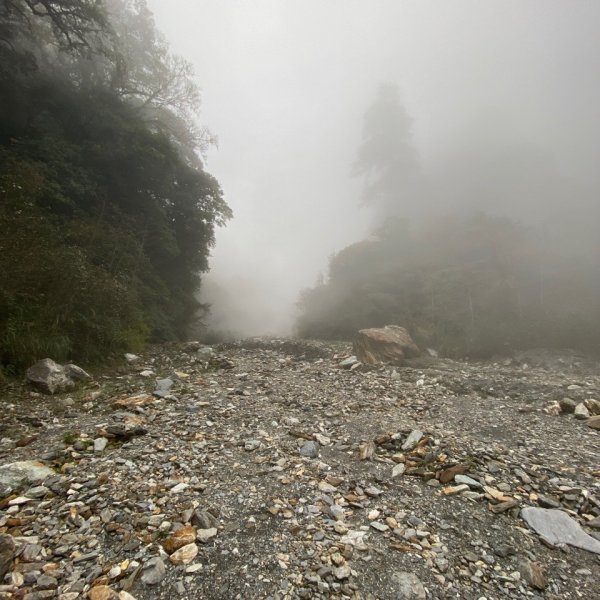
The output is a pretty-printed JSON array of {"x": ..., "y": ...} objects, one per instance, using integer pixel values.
[{"x": 557, "y": 527}]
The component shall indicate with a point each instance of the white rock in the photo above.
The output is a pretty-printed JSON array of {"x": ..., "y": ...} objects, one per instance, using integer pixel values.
[
  {"x": 100, "y": 444},
  {"x": 412, "y": 440},
  {"x": 194, "y": 568},
  {"x": 354, "y": 538},
  {"x": 179, "y": 488},
  {"x": 19, "y": 500},
  {"x": 398, "y": 470},
  {"x": 203, "y": 535}
]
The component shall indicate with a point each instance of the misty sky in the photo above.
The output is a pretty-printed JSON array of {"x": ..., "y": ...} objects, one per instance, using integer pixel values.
[{"x": 286, "y": 82}]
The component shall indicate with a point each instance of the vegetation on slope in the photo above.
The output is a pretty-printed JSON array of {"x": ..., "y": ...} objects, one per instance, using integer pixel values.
[
  {"x": 107, "y": 215},
  {"x": 465, "y": 283}
]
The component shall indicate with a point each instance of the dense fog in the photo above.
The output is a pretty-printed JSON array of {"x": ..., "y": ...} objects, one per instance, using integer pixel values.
[{"x": 501, "y": 100}]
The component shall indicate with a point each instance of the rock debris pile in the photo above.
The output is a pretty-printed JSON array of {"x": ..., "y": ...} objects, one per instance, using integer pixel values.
[{"x": 284, "y": 469}]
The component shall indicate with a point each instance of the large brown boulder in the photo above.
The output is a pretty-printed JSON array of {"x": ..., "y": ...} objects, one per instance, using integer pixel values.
[{"x": 390, "y": 344}]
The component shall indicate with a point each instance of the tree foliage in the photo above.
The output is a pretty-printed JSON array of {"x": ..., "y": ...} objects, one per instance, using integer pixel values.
[
  {"x": 464, "y": 283},
  {"x": 465, "y": 286},
  {"x": 386, "y": 158},
  {"x": 107, "y": 214}
]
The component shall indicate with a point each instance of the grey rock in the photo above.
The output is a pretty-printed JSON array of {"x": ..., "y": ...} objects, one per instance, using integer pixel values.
[
  {"x": 522, "y": 476},
  {"x": 337, "y": 512},
  {"x": 407, "y": 586},
  {"x": 349, "y": 362},
  {"x": 567, "y": 405},
  {"x": 557, "y": 527},
  {"x": 179, "y": 487},
  {"x": 203, "y": 535},
  {"x": 76, "y": 373},
  {"x": 153, "y": 571},
  {"x": 49, "y": 376},
  {"x": 30, "y": 552},
  {"x": 37, "y": 492},
  {"x": 7, "y": 553},
  {"x": 414, "y": 521},
  {"x": 342, "y": 572},
  {"x": 412, "y": 440},
  {"x": 472, "y": 483},
  {"x": 548, "y": 501},
  {"x": 100, "y": 444},
  {"x": 46, "y": 582},
  {"x": 309, "y": 449},
  {"x": 204, "y": 520},
  {"x": 581, "y": 411},
  {"x": 250, "y": 445},
  {"x": 205, "y": 353},
  {"x": 504, "y": 550},
  {"x": 398, "y": 470},
  {"x": 93, "y": 573},
  {"x": 162, "y": 387},
  {"x": 533, "y": 573},
  {"x": 593, "y": 406},
  {"x": 14, "y": 475},
  {"x": 442, "y": 564}
]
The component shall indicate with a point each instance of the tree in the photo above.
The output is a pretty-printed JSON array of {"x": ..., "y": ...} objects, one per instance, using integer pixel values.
[
  {"x": 386, "y": 157},
  {"x": 31, "y": 27},
  {"x": 107, "y": 214},
  {"x": 159, "y": 83}
]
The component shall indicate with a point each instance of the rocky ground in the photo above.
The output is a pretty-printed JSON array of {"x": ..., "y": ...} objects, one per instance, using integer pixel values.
[{"x": 266, "y": 470}]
